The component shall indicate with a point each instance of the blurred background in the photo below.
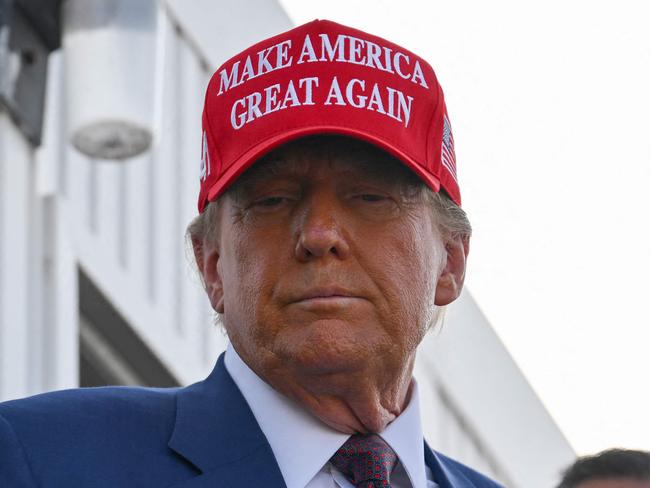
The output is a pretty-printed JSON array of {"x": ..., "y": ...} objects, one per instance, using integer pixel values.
[{"x": 545, "y": 355}]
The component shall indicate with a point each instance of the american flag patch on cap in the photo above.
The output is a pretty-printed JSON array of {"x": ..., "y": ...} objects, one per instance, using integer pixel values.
[{"x": 448, "y": 156}]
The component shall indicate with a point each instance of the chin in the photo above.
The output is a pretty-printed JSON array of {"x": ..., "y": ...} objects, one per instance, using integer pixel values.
[
  {"x": 327, "y": 361},
  {"x": 329, "y": 346}
]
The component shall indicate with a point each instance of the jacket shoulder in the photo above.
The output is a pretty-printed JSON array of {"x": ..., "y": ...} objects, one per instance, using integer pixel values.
[
  {"x": 479, "y": 480},
  {"x": 88, "y": 408},
  {"x": 63, "y": 430}
]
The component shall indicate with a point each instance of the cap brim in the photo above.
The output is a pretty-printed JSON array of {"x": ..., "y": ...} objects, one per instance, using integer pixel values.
[{"x": 246, "y": 160}]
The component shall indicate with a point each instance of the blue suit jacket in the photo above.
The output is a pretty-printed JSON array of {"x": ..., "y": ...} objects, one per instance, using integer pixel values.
[{"x": 204, "y": 435}]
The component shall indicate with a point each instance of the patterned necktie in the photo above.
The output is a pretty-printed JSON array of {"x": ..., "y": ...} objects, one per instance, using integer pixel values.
[{"x": 366, "y": 460}]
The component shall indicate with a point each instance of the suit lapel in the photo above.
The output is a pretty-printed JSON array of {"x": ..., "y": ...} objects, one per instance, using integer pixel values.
[{"x": 216, "y": 431}]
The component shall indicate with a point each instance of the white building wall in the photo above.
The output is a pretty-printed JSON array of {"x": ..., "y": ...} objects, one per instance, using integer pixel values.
[
  {"x": 491, "y": 419},
  {"x": 130, "y": 217},
  {"x": 123, "y": 225}
]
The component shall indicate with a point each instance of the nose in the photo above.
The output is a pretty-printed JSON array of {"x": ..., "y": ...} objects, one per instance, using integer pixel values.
[{"x": 320, "y": 230}]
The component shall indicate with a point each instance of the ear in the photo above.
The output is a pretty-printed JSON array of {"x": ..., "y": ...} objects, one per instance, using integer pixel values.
[
  {"x": 450, "y": 282},
  {"x": 207, "y": 260}
]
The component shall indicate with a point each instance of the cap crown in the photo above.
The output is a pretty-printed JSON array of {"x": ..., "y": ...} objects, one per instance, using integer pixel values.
[{"x": 325, "y": 78}]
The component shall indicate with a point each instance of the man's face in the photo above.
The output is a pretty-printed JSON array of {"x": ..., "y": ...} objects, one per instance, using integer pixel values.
[{"x": 328, "y": 260}]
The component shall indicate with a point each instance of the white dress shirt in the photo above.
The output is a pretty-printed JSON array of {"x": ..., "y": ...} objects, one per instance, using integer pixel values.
[{"x": 303, "y": 445}]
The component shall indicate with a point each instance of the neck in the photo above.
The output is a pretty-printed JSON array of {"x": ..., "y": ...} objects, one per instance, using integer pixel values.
[{"x": 360, "y": 401}]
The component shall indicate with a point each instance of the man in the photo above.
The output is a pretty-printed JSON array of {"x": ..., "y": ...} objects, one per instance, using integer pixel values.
[
  {"x": 330, "y": 234},
  {"x": 613, "y": 468}
]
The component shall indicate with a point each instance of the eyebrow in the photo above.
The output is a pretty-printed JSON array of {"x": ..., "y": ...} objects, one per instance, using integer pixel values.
[{"x": 263, "y": 170}]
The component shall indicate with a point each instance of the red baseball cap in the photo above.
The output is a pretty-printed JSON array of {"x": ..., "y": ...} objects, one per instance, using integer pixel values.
[{"x": 325, "y": 78}]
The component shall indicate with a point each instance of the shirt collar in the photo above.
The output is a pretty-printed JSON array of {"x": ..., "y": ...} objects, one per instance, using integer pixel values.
[
  {"x": 404, "y": 435},
  {"x": 302, "y": 444}
]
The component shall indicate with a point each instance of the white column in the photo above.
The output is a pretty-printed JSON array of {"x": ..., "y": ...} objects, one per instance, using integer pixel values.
[
  {"x": 15, "y": 298},
  {"x": 61, "y": 320},
  {"x": 57, "y": 271}
]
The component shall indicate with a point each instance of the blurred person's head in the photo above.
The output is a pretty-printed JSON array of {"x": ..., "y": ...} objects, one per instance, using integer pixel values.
[{"x": 613, "y": 468}]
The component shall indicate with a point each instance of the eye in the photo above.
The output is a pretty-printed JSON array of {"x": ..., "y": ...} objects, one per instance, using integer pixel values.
[
  {"x": 370, "y": 197},
  {"x": 373, "y": 202},
  {"x": 363, "y": 197},
  {"x": 270, "y": 202}
]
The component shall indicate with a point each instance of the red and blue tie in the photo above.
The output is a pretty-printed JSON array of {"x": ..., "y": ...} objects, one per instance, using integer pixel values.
[{"x": 366, "y": 460}]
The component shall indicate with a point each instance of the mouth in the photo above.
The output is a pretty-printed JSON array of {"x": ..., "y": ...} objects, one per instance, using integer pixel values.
[{"x": 326, "y": 296}]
